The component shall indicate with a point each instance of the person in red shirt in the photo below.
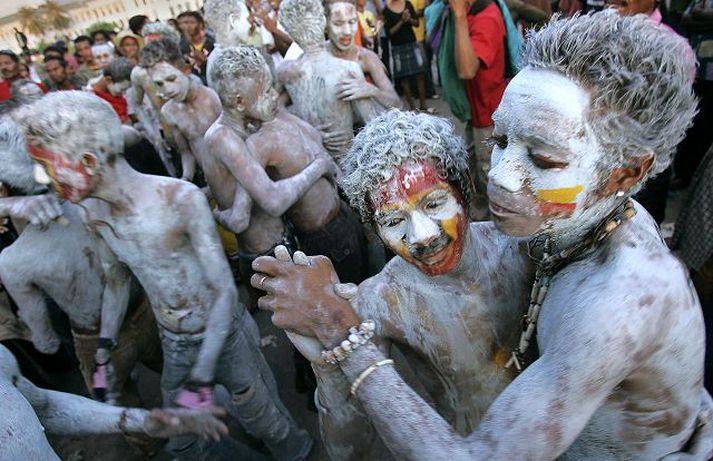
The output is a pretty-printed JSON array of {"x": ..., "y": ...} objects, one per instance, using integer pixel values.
[
  {"x": 116, "y": 80},
  {"x": 10, "y": 69},
  {"x": 480, "y": 61}
]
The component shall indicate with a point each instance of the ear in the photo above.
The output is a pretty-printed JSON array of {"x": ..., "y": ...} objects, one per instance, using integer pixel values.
[
  {"x": 90, "y": 162},
  {"x": 623, "y": 179}
]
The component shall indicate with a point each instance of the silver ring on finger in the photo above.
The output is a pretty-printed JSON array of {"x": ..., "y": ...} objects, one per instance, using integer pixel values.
[{"x": 262, "y": 281}]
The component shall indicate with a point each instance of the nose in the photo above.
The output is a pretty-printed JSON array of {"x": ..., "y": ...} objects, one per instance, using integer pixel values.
[
  {"x": 422, "y": 230},
  {"x": 505, "y": 171}
]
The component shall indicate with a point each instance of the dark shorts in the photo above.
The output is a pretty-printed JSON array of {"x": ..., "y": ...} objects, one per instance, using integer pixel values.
[{"x": 343, "y": 241}]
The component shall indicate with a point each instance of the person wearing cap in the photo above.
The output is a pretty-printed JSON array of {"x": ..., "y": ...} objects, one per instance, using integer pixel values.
[{"x": 128, "y": 44}]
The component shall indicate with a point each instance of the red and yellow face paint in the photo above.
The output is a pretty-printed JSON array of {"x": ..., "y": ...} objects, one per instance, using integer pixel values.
[
  {"x": 71, "y": 182},
  {"x": 556, "y": 202},
  {"x": 413, "y": 192}
]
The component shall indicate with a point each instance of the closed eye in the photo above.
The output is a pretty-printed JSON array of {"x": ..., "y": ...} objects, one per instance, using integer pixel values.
[{"x": 546, "y": 163}]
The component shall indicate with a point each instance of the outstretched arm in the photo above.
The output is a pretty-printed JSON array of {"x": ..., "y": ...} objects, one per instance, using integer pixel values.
[
  {"x": 275, "y": 197},
  {"x": 67, "y": 414}
]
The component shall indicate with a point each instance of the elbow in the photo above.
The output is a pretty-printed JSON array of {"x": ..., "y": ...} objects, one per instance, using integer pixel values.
[
  {"x": 467, "y": 74},
  {"x": 273, "y": 207}
]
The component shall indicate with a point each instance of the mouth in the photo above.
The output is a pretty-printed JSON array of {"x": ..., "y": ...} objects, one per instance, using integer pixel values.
[
  {"x": 500, "y": 211},
  {"x": 345, "y": 41},
  {"x": 617, "y": 4}
]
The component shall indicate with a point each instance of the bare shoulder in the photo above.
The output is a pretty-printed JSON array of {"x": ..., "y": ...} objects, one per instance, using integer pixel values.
[
  {"x": 138, "y": 75},
  {"x": 386, "y": 287},
  {"x": 631, "y": 287},
  {"x": 219, "y": 134},
  {"x": 169, "y": 110},
  {"x": 370, "y": 60},
  {"x": 288, "y": 71}
]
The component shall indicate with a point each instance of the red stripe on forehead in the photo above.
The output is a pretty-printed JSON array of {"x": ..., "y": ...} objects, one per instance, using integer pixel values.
[{"x": 408, "y": 180}]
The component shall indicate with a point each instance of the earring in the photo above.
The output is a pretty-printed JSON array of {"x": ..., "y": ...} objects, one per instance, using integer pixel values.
[{"x": 620, "y": 193}]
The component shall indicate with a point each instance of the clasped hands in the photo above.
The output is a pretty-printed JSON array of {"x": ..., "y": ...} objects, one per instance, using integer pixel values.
[{"x": 306, "y": 299}]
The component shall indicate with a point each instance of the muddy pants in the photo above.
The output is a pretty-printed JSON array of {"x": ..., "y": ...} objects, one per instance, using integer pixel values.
[{"x": 242, "y": 369}]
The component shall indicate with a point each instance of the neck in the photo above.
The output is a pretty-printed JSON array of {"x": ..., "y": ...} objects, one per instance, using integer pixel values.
[
  {"x": 234, "y": 119},
  {"x": 314, "y": 48},
  {"x": 191, "y": 93},
  {"x": 197, "y": 37},
  {"x": 115, "y": 180},
  {"x": 468, "y": 264},
  {"x": 339, "y": 53},
  {"x": 565, "y": 237}
]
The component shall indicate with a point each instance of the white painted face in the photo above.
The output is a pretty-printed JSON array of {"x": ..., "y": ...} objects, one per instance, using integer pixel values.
[
  {"x": 260, "y": 98},
  {"x": 546, "y": 174},
  {"x": 170, "y": 82},
  {"x": 103, "y": 54},
  {"x": 342, "y": 25},
  {"x": 118, "y": 88}
]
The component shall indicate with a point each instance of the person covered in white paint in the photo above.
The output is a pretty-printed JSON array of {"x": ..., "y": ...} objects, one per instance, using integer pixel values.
[
  {"x": 190, "y": 108},
  {"x": 162, "y": 230},
  {"x": 613, "y": 313},
  {"x": 313, "y": 80},
  {"x": 342, "y": 28}
]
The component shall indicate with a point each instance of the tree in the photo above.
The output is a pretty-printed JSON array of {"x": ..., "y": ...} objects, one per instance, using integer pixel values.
[
  {"x": 101, "y": 25},
  {"x": 55, "y": 15},
  {"x": 32, "y": 20}
]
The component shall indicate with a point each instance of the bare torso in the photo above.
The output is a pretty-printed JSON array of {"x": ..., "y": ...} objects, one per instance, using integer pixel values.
[
  {"x": 264, "y": 230},
  {"x": 311, "y": 81},
  {"x": 193, "y": 117},
  {"x": 158, "y": 251},
  {"x": 652, "y": 412},
  {"x": 63, "y": 262},
  {"x": 455, "y": 331},
  {"x": 285, "y": 146}
]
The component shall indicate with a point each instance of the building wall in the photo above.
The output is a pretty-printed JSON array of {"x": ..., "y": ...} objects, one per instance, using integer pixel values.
[{"x": 88, "y": 12}]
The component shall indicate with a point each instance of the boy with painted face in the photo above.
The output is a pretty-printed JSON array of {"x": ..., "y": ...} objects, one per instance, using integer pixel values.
[
  {"x": 113, "y": 84},
  {"x": 191, "y": 108},
  {"x": 313, "y": 80},
  {"x": 249, "y": 202},
  {"x": 342, "y": 27},
  {"x": 162, "y": 229},
  {"x": 103, "y": 54},
  {"x": 451, "y": 313},
  {"x": 143, "y": 99},
  {"x": 614, "y": 314}
]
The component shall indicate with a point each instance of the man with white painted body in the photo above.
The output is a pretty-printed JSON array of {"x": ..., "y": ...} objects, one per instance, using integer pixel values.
[
  {"x": 342, "y": 27},
  {"x": 162, "y": 229},
  {"x": 30, "y": 272},
  {"x": 249, "y": 202},
  {"x": 27, "y": 412},
  {"x": 620, "y": 332},
  {"x": 143, "y": 99},
  {"x": 190, "y": 107},
  {"x": 451, "y": 313},
  {"x": 313, "y": 81}
]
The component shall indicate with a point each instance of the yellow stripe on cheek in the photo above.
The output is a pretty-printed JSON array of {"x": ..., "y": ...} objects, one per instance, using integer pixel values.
[{"x": 564, "y": 195}]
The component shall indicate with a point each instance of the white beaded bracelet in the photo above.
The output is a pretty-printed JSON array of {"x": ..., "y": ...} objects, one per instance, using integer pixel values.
[{"x": 357, "y": 337}]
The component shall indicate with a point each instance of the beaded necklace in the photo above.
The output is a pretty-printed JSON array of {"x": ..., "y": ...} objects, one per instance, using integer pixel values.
[{"x": 549, "y": 264}]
